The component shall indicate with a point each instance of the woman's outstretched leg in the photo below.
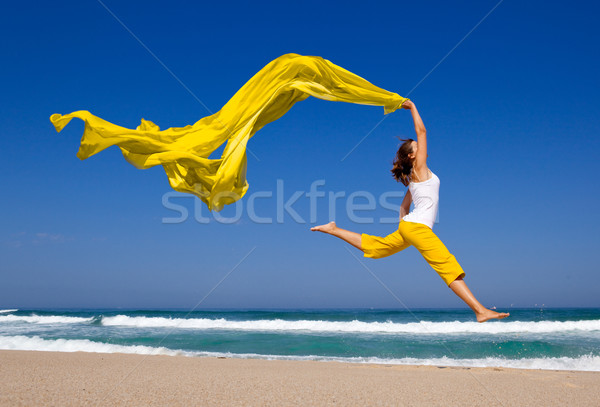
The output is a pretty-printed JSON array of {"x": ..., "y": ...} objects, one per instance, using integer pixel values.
[
  {"x": 482, "y": 313},
  {"x": 351, "y": 237}
]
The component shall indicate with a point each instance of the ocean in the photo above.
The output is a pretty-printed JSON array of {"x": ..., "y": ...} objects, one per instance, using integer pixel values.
[{"x": 557, "y": 338}]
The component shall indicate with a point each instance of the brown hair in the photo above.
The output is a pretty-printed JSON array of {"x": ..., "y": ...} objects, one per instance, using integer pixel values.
[{"x": 403, "y": 163}]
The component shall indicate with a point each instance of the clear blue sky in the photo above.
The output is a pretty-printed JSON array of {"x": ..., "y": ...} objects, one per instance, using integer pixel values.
[{"x": 512, "y": 120}]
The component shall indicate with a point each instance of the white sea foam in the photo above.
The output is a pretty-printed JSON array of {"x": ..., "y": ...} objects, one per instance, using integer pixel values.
[
  {"x": 7, "y": 311},
  {"x": 77, "y": 345},
  {"x": 582, "y": 363},
  {"x": 425, "y": 327},
  {"x": 35, "y": 343},
  {"x": 44, "y": 319}
]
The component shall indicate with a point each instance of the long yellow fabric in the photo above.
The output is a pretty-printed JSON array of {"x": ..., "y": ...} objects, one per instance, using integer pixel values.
[{"x": 184, "y": 151}]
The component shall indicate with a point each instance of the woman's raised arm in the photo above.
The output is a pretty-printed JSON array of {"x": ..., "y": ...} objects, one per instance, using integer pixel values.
[{"x": 421, "y": 157}]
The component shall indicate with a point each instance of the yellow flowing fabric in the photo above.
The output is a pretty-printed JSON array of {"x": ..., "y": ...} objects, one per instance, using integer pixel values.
[{"x": 183, "y": 151}]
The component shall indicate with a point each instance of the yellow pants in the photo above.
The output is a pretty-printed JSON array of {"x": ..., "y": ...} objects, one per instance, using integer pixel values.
[{"x": 426, "y": 242}]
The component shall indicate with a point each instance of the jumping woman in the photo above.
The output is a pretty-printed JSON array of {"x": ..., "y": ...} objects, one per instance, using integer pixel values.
[{"x": 415, "y": 229}]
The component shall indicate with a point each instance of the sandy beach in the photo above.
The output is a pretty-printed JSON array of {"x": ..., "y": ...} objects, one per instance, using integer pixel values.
[{"x": 74, "y": 379}]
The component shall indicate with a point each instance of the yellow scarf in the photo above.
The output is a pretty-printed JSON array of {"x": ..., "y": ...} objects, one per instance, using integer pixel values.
[{"x": 184, "y": 151}]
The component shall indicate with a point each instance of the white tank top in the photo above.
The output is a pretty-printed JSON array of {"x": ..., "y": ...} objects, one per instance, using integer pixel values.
[{"x": 426, "y": 198}]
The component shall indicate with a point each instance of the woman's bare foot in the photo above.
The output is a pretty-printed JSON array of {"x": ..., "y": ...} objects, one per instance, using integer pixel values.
[
  {"x": 489, "y": 314},
  {"x": 355, "y": 239},
  {"x": 326, "y": 228}
]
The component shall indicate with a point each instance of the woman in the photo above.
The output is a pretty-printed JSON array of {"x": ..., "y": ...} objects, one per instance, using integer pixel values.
[{"x": 415, "y": 229}]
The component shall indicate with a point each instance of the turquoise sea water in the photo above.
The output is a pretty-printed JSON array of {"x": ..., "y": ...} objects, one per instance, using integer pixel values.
[{"x": 565, "y": 338}]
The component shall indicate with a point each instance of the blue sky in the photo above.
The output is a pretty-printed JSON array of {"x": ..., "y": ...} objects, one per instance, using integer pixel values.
[{"x": 512, "y": 124}]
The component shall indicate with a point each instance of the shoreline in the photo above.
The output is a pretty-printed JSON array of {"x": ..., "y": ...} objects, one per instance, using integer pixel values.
[{"x": 82, "y": 378}]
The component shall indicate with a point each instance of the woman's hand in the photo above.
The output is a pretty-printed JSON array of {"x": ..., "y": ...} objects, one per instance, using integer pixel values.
[{"x": 407, "y": 104}]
